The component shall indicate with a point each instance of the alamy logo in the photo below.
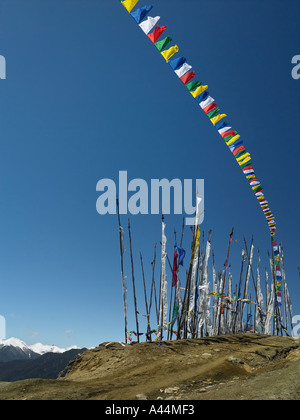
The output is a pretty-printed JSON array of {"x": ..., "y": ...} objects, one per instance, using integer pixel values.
[
  {"x": 145, "y": 199},
  {"x": 296, "y": 329},
  {"x": 2, "y": 67},
  {"x": 2, "y": 328},
  {"x": 296, "y": 69}
]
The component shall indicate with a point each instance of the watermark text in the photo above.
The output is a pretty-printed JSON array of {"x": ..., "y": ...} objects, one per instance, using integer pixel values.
[
  {"x": 137, "y": 197},
  {"x": 2, "y": 328},
  {"x": 296, "y": 69},
  {"x": 2, "y": 67},
  {"x": 296, "y": 328}
]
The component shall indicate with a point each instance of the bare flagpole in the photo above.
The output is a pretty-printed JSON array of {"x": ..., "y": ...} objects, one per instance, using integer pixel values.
[
  {"x": 153, "y": 287},
  {"x": 225, "y": 273},
  {"x": 122, "y": 250},
  {"x": 133, "y": 285},
  {"x": 146, "y": 302}
]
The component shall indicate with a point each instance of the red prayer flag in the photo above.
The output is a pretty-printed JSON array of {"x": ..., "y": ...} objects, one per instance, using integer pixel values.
[
  {"x": 156, "y": 33},
  {"x": 254, "y": 179},
  {"x": 238, "y": 150},
  {"x": 188, "y": 77},
  {"x": 175, "y": 267},
  {"x": 210, "y": 107},
  {"x": 228, "y": 133},
  {"x": 248, "y": 168}
]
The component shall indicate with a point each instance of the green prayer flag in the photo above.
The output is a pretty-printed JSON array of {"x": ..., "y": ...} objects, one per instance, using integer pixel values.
[
  {"x": 193, "y": 85},
  {"x": 161, "y": 45},
  {"x": 175, "y": 312},
  {"x": 239, "y": 154},
  {"x": 246, "y": 164},
  {"x": 227, "y": 138},
  {"x": 257, "y": 188},
  {"x": 213, "y": 113}
]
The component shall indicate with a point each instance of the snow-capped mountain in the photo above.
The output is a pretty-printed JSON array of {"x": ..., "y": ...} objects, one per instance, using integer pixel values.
[
  {"x": 42, "y": 348},
  {"x": 15, "y": 349},
  {"x": 15, "y": 342}
]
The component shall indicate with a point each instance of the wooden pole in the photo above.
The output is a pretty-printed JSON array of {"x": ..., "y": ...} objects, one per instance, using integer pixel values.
[
  {"x": 170, "y": 312},
  {"x": 122, "y": 269},
  {"x": 249, "y": 265},
  {"x": 133, "y": 285},
  {"x": 182, "y": 317},
  {"x": 163, "y": 283},
  {"x": 277, "y": 313},
  {"x": 146, "y": 302},
  {"x": 225, "y": 273},
  {"x": 153, "y": 287},
  {"x": 182, "y": 233},
  {"x": 172, "y": 304},
  {"x": 227, "y": 259},
  {"x": 238, "y": 304}
]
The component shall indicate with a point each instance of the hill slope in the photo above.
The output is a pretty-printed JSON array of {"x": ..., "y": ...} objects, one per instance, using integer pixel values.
[
  {"x": 47, "y": 366},
  {"x": 243, "y": 366}
]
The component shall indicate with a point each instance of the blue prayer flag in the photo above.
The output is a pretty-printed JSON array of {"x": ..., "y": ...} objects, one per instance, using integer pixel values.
[
  {"x": 177, "y": 63},
  {"x": 140, "y": 14},
  {"x": 181, "y": 254}
]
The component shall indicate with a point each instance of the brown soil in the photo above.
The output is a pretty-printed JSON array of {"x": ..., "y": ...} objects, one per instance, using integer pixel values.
[{"x": 243, "y": 366}]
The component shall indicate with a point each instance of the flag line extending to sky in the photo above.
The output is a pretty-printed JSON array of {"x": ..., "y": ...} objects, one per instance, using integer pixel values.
[{"x": 150, "y": 27}]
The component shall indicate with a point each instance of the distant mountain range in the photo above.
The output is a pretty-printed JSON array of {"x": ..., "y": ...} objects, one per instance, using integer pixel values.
[
  {"x": 15, "y": 349},
  {"x": 19, "y": 361}
]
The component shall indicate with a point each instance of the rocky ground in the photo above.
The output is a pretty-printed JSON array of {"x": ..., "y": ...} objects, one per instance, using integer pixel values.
[{"x": 237, "y": 367}]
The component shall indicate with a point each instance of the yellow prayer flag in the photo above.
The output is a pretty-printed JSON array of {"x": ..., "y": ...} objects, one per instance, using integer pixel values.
[
  {"x": 216, "y": 119},
  {"x": 243, "y": 156},
  {"x": 231, "y": 141},
  {"x": 197, "y": 238},
  {"x": 129, "y": 4},
  {"x": 199, "y": 90},
  {"x": 244, "y": 161},
  {"x": 253, "y": 188},
  {"x": 170, "y": 52}
]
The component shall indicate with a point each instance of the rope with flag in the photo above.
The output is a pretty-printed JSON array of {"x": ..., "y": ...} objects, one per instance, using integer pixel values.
[{"x": 200, "y": 93}]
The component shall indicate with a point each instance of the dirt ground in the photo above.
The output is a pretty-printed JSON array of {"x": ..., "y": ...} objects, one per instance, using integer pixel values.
[{"x": 236, "y": 367}]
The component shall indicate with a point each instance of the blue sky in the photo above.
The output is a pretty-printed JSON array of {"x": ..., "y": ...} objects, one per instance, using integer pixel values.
[{"x": 87, "y": 95}]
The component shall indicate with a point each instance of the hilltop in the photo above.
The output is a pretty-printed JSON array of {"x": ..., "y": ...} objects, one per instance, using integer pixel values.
[{"x": 242, "y": 366}]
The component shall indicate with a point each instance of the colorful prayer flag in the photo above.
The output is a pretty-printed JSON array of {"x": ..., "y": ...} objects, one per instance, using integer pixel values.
[
  {"x": 149, "y": 24},
  {"x": 188, "y": 77},
  {"x": 158, "y": 31},
  {"x": 161, "y": 45},
  {"x": 170, "y": 52},
  {"x": 129, "y": 4},
  {"x": 140, "y": 14}
]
